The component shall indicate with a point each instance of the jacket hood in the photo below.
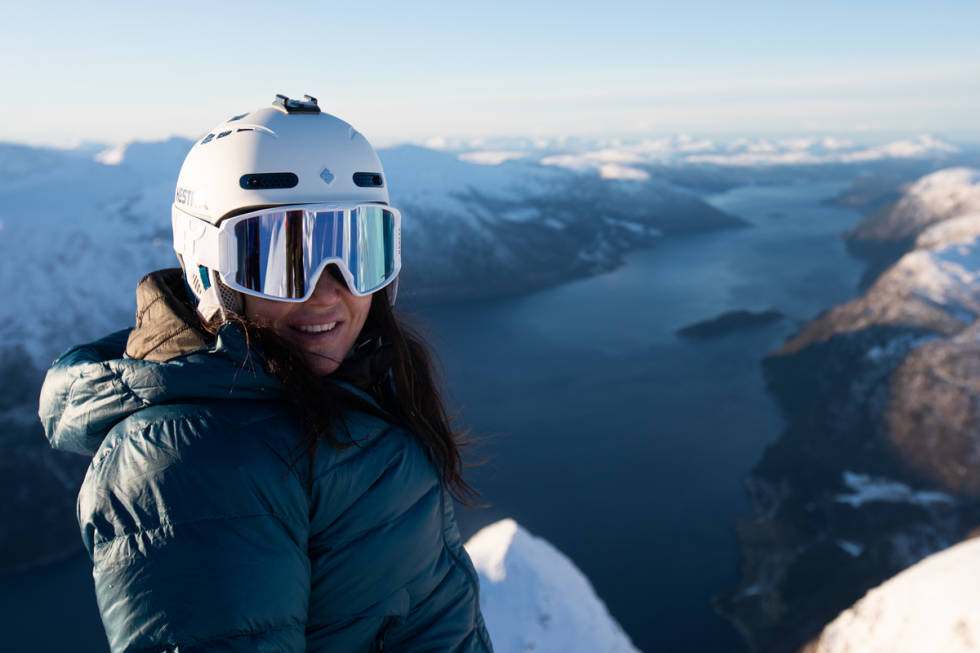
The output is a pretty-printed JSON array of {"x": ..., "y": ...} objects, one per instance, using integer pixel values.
[{"x": 165, "y": 358}]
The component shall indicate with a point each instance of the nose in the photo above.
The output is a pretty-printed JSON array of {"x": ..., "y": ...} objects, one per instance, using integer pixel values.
[{"x": 329, "y": 287}]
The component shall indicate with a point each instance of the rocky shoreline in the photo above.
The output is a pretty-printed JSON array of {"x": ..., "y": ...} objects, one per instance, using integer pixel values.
[{"x": 878, "y": 467}]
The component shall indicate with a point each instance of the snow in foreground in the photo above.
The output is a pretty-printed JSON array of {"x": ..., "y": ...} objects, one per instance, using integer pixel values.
[
  {"x": 931, "y": 606},
  {"x": 535, "y": 599}
]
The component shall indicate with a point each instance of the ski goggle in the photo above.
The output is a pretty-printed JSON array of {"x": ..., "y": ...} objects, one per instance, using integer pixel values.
[{"x": 279, "y": 252}]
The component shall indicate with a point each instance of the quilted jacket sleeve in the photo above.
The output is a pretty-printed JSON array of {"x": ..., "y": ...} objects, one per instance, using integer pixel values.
[{"x": 198, "y": 535}]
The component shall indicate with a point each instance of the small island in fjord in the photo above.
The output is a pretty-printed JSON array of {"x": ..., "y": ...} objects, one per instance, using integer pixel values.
[{"x": 727, "y": 323}]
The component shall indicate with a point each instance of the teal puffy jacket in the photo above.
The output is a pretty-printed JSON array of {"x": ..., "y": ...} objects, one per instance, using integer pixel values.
[{"x": 205, "y": 538}]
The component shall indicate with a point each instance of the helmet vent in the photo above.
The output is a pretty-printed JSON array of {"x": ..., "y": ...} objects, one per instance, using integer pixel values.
[
  {"x": 260, "y": 181},
  {"x": 368, "y": 180},
  {"x": 230, "y": 299},
  {"x": 207, "y": 139},
  {"x": 238, "y": 117},
  {"x": 223, "y": 134}
]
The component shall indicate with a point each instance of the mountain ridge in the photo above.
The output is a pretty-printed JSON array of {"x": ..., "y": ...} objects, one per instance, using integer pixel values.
[{"x": 881, "y": 388}]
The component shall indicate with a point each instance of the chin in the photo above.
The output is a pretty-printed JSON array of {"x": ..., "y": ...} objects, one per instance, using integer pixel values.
[{"x": 322, "y": 366}]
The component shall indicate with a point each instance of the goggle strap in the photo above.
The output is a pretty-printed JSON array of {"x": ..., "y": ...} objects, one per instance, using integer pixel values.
[{"x": 210, "y": 303}]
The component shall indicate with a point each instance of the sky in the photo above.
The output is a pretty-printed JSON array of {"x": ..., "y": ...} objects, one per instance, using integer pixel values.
[{"x": 113, "y": 72}]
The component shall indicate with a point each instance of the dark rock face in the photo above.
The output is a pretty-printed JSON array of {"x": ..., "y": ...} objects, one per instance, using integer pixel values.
[
  {"x": 727, "y": 323},
  {"x": 808, "y": 552},
  {"x": 933, "y": 415}
]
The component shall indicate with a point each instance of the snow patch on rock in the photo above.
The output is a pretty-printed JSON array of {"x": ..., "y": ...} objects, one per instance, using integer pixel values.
[
  {"x": 867, "y": 489},
  {"x": 112, "y": 156},
  {"x": 855, "y": 549}
]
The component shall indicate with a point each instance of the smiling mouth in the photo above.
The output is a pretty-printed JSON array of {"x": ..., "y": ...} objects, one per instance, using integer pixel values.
[{"x": 315, "y": 328}]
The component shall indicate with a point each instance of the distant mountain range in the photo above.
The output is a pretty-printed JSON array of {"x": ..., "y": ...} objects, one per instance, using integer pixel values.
[{"x": 628, "y": 158}]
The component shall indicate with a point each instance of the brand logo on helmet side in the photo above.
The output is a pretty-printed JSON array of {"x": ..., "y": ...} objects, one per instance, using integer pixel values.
[
  {"x": 327, "y": 176},
  {"x": 184, "y": 196},
  {"x": 187, "y": 197}
]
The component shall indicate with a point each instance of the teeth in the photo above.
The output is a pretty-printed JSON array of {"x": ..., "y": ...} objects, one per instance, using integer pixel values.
[{"x": 316, "y": 328}]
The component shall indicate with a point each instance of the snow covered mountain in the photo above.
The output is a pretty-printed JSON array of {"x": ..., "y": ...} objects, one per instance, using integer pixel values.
[
  {"x": 476, "y": 230},
  {"x": 534, "y": 598},
  {"x": 932, "y": 606},
  {"x": 878, "y": 467},
  {"x": 936, "y": 197}
]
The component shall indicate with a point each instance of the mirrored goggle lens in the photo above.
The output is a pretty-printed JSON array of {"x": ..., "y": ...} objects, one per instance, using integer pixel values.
[
  {"x": 372, "y": 252},
  {"x": 278, "y": 253}
]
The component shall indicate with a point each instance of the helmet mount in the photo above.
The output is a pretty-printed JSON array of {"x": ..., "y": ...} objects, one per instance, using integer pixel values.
[{"x": 297, "y": 106}]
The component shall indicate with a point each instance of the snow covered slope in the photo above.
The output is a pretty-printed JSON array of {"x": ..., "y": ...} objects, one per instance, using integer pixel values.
[
  {"x": 478, "y": 230},
  {"x": 76, "y": 236},
  {"x": 931, "y": 606},
  {"x": 936, "y": 197},
  {"x": 534, "y": 598},
  {"x": 936, "y": 286}
]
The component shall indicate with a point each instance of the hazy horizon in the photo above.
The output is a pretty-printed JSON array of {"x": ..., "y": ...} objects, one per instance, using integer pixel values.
[{"x": 561, "y": 142}]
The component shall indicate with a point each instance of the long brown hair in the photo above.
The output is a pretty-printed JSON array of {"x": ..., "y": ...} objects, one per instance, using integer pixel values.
[{"x": 406, "y": 385}]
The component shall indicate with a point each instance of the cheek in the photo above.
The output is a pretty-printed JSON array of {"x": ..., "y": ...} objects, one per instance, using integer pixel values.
[
  {"x": 265, "y": 311},
  {"x": 359, "y": 309}
]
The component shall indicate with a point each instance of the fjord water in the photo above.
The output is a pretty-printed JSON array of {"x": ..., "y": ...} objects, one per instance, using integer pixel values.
[
  {"x": 606, "y": 434},
  {"x": 625, "y": 446}
]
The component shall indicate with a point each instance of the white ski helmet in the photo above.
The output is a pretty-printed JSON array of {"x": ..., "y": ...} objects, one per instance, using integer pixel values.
[{"x": 288, "y": 153}]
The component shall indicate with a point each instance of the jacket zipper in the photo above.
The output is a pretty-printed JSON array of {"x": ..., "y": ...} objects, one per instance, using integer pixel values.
[{"x": 379, "y": 639}]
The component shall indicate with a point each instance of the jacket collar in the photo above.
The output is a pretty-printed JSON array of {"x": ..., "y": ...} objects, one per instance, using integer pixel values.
[{"x": 166, "y": 325}]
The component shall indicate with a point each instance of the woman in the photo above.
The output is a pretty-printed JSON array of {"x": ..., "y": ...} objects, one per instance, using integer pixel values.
[{"x": 272, "y": 463}]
